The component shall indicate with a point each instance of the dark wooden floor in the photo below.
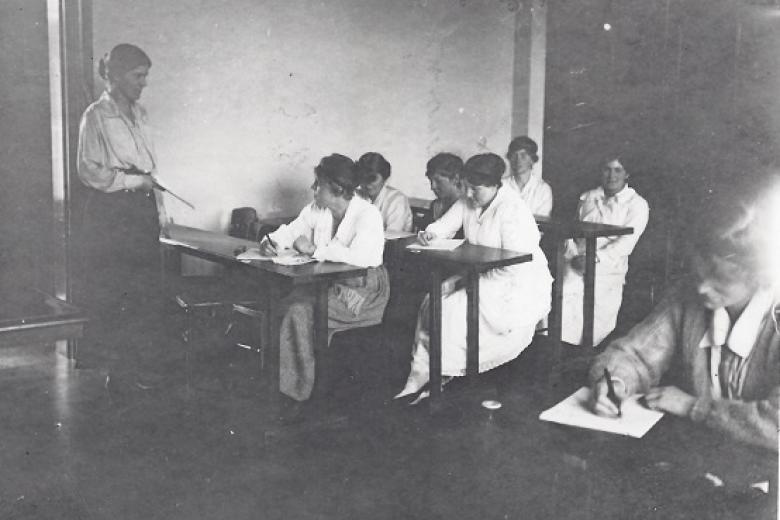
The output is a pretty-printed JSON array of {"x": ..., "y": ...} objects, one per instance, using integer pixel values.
[{"x": 86, "y": 443}]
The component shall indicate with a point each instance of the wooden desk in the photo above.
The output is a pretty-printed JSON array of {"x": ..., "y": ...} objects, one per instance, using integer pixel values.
[
  {"x": 35, "y": 317},
  {"x": 221, "y": 248},
  {"x": 473, "y": 260},
  {"x": 560, "y": 231},
  {"x": 572, "y": 473}
]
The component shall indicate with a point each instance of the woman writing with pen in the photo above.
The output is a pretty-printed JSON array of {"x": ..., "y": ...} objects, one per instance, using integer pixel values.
[
  {"x": 513, "y": 299},
  {"x": 121, "y": 215},
  {"x": 337, "y": 226},
  {"x": 710, "y": 351}
]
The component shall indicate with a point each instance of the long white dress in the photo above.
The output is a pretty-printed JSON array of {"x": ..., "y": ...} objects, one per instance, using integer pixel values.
[
  {"x": 626, "y": 208},
  {"x": 512, "y": 299}
]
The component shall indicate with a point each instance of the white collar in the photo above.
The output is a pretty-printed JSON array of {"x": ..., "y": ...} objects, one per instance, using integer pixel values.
[
  {"x": 533, "y": 179},
  {"x": 622, "y": 196},
  {"x": 741, "y": 335}
]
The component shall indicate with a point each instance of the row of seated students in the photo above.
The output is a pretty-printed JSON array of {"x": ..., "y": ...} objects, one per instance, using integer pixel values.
[
  {"x": 712, "y": 341},
  {"x": 613, "y": 202}
]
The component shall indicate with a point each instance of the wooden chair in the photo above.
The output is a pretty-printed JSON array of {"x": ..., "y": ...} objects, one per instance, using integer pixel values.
[{"x": 205, "y": 297}]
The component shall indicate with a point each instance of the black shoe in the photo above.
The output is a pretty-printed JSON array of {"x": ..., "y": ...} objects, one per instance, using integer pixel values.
[{"x": 292, "y": 411}]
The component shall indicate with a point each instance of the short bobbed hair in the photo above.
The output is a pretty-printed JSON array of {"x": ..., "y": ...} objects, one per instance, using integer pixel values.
[
  {"x": 340, "y": 172},
  {"x": 373, "y": 163},
  {"x": 448, "y": 165},
  {"x": 485, "y": 169},
  {"x": 523, "y": 142}
]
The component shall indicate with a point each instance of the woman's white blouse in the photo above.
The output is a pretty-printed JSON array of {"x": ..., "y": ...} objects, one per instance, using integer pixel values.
[
  {"x": 536, "y": 193},
  {"x": 359, "y": 239},
  {"x": 109, "y": 141},
  {"x": 506, "y": 223}
]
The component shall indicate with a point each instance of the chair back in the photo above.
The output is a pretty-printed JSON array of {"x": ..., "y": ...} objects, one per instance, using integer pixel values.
[{"x": 244, "y": 223}]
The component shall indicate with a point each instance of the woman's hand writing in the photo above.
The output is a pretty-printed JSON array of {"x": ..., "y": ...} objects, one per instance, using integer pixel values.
[
  {"x": 267, "y": 248},
  {"x": 425, "y": 237},
  {"x": 600, "y": 402}
]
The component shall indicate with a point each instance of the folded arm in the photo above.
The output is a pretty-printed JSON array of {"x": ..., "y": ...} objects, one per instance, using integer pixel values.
[
  {"x": 366, "y": 247},
  {"x": 751, "y": 422}
]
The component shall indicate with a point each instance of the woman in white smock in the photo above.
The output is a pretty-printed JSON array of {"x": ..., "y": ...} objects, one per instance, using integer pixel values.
[
  {"x": 537, "y": 194},
  {"x": 512, "y": 299},
  {"x": 614, "y": 202},
  {"x": 336, "y": 227}
]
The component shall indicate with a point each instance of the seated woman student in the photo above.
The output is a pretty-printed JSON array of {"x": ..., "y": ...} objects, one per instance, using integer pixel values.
[
  {"x": 512, "y": 299},
  {"x": 444, "y": 172},
  {"x": 522, "y": 155},
  {"x": 614, "y": 202},
  {"x": 335, "y": 227},
  {"x": 374, "y": 171},
  {"x": 710, "y": 350}
]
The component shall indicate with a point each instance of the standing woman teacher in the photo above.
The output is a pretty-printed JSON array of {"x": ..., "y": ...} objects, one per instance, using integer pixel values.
[{"x": 121, "y": 221}]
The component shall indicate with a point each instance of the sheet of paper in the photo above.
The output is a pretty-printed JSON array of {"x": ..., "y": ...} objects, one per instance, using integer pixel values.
[
  {"x": 253, "y": 253},
  {"x": 636, "y": 420},
  {"x": 393, "y": 235},
  {"x": 292, "y": 260},
  {"x": 440, "y": 244}
]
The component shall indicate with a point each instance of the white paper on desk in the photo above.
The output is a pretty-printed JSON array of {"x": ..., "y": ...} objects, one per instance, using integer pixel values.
[
  {"x": 636, "y": 420},
  {"x": 252, "y": 253},
  {"x": 440, "y": 244},
  {"x": 293, "y": 259}
]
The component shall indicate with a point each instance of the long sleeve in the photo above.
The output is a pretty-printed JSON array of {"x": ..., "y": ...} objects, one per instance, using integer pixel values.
[
  {"x": 615, "y": 248},
  {"x": 304, "y": 224},
  {"x": 366, "y": 247},
  {"x": 641, "y": 357},
  {"x": 752, "y": 422},
  {"x": 93, "y": 159},
  {"x": 359, "y": 239},
  {"x": 396, "y": 212},
  {"x": 671, "y": 333},
  {"x": 543, "y": 200},
  {"x": 450, "y": 222}
]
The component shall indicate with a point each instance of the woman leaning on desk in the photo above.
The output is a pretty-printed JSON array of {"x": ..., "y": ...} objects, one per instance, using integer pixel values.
[
  {"x": 710, "y": 351},
  {"x": 120, "y": 220},
  {"x": 512, "y": 299},
  {"x": 337, "y": 227}
]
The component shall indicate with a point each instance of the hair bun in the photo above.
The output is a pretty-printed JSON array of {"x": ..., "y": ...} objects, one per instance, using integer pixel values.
[{"x": 102, "y": 67}]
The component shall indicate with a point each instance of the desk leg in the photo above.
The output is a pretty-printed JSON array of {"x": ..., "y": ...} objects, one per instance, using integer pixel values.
[
  {"x": 472, "y": 324},
  {"x": 589, "y": 299},
  {"x": 273, "y": 296},
  {"x": 556, "y": 311},
  {"x": 555, "y": 320},
  {"x": 321, "y": 317},
  {"x": 71, "y": 348},
  {"x": 434, "y": 347}
]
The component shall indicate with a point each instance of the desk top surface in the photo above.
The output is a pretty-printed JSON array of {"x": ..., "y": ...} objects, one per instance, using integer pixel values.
[
  {"x": 221, "y": 248},
  {"x": 474, "y": 255},
  {"x": 578, "y": 229},
  {"x": 563, "y": 228},
  {"x": 566, "y": 472}
]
